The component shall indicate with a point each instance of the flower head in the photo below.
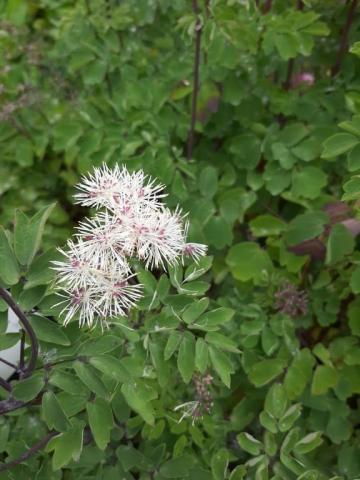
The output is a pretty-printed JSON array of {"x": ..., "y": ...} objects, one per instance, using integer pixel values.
[
  {"x": 118, "y": 190},
  {"x": 95, "y": 277},
  {"x": 291, "y": 301},
  {"x": 193, "y": 250}
]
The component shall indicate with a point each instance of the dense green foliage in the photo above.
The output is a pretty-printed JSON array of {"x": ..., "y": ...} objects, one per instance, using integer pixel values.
[{"x": 264, "y": 332}]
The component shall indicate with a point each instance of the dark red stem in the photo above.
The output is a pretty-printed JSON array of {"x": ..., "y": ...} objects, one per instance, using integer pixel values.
[
  {"x": 344, "y": 38},
  {"x": 28, "y": 329},
  {"x": 29, "y": 453},
  {"x": 5, "y": 384},
  {"x": 267, "y": 6},
  {"x": 196, "y": 72}
]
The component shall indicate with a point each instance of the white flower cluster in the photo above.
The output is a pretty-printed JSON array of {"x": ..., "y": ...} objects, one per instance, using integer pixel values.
[{"x": 132, "y": 222}]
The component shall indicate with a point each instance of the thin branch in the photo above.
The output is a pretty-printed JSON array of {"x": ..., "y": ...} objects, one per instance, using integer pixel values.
[
  {"x": 198, "y": 32},
  {"x": 289, "y": 73},
  {"x": 6, "y": 385},
  {"x": 344, "y": 38},
  {"x": 29, "y": 453},
  {"x": 49, "y": 365},
  {"x": 291, "y": 62},
  {"x": 10, "y": 405},
  {"x": 28, "y": 329},
  {"x": 22, "y": 351}
]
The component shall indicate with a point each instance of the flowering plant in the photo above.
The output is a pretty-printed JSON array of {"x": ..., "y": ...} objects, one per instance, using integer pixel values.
[{"x": 249, "y": 112}]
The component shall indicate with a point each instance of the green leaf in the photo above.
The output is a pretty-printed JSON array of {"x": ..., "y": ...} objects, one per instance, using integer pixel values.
[
  {"x": 28, "y": 233},
  {"x": 287, "y": 45},
  {"x": 352, "y": 188},
  {"x": 325, "y": 377},
  {"x": 94, "y": 72},
  {"x": 48, "y": 331},
  {"x": 157, "y": 358},
  {"x": 177, "y": 467},
  {"x": 31, "y": 297},
  {"x": 353, "y": 159},
  {"x": 67, "y": 382},
  {"x": 53, "y": 413},
  {"x": 268, "y": 422},
  {"x": 266, "y": 370},
  {"x": 163, "y": 287},
  {"x": 8, "y": 340},
  {"x": 299, "y": 373},
  {"x": 219, "y": 464},
  {"x": 197, "y": 269},
  {"x": 355, "y": 280},
  {"x": 307, "y": 150},
  {"x": 222, "y": 365},
  {"x": 308, "y": 443},
  {"x": 276, "y": 401},
  {"x": 112, "y": 367},
  {"x": 186, "y": 357},
  {"x": 290, "y": 417},
  {"x": 248, "y": 261},
  {"x": 355, "y": 49},
  {"x": 66, "y": 446},
  {"x": 249, "y": 443},
  {"x": 138, "y": 396},
  {"x": 29, "y": 388},
  {"x": 130, "y": 457},
  {"x": 238, "y": 473},
  {"x": 194, "y": 288},
  {"x": 9, "y": 269},
  {"x": 266, "y": 225},
  {"x": 212, "y": 320},
  {"x": 194, "y": 310},
  {"x": 40, "y": 272},
  {"x": 340, "y": 243},
  {"x": 290, "y": 440},
  {"x": 16, "y": 11},
  {"x": 90, "y": 378},
  {"x": 201, "y": 355},
  {"x": 269, "y": 341},
  {"x": 305, "y": 227},
  {"x": 208, "y": 182},
  {"x": 66, "y": 133},
  {"x": 218, "y": 232},
  {"x": 100, "y": 345},
  {"x": 308, "y": 182},
  {"x": 246, "y": 149},
  {"x": 222, "y": 342},
  {"x": 293, "y": 133},
  {"x": 101, "y": 421},
  {"x": 338, "y": 144},
  {"x": 172, "y": 344}
]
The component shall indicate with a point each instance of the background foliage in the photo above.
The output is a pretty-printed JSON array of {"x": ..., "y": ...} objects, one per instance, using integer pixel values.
[{"x": 270, "y": 180}]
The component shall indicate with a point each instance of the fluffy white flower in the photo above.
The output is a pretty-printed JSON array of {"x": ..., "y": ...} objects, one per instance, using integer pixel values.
[
  {"x": 193, "y": 250},
  {"x": 95, "y": 277},
  {"x": 159, "y": 238},
  {"x": 116, "y": 295},
  {"x": 97, "y": 189},
  {"x": 80, "y": 302},
  {"x": 118, "y": 190},
  {"x": 103, "y": 239}
]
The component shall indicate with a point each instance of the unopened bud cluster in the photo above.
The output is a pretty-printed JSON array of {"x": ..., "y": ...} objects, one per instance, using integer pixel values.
[
  {"x": 291, "y": 301},
  {"x": 131, "y": 222},
  {"x": 204, "y": 397},
  {"x": 203, "y": 402}
]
